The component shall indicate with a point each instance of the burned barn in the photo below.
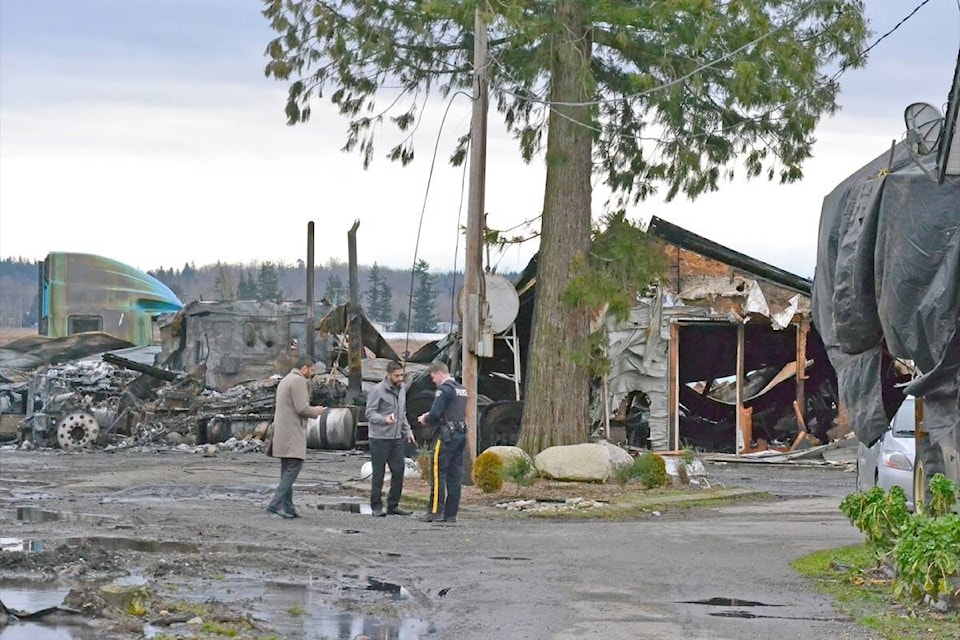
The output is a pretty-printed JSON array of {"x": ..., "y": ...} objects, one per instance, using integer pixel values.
[{"x": 720, "y": 356}]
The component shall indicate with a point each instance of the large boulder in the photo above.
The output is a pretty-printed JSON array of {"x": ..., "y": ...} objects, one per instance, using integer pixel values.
[
  {"x": 507, "y": 454},
  {"x": 591, "y": 462}
]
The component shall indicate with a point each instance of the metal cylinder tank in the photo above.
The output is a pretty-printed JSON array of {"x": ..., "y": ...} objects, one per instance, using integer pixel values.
[{"x": 334, "y": 429}]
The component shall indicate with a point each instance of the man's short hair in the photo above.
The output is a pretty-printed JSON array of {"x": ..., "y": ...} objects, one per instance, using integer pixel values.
[
  {"x": 303, "y": 360},
  {"x": 393, "y": 366},
  {"x": 438, "y": 367}
]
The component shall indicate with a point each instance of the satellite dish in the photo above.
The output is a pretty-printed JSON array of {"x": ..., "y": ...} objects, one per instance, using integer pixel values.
[
  {"x": 502, "y": 299},
  {"x": 924, "y": 124}
]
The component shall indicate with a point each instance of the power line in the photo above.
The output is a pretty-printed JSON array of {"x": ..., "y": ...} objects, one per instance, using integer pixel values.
[
  {"x": 682, "y": 78},
  {"x": 423, "y": 209},
  {"x": 746, "y": 121}
]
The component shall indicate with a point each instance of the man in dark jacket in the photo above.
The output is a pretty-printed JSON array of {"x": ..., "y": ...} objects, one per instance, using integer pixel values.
[
  {"x": 388, "y": 430},
  {"x": 447, "y": 416},
  {"x": 290, "y": 433}
]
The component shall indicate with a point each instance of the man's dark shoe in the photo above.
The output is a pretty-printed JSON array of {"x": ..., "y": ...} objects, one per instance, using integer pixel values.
[
  {"x": 430, "y": 517},
  {"x": 397, "y": 511},
  {"x": 450, "y": 519},
  {"x": 280, "y": 514},
  {"x": 294, "y": 513},
  {"x": 377, "y": 513}
]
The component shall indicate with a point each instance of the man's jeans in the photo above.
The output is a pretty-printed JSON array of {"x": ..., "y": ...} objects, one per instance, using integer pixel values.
[
  {"x": 283, "y": 498},
  {"x": 390, "y": 453}
]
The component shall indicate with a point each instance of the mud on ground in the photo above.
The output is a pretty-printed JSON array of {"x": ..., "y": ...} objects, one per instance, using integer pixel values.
[{"x": 188, "y": 551}]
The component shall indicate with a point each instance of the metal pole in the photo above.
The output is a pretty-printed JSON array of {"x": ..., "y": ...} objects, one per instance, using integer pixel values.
[
  {"x": 473, "y": 267},
  {"x": 310, "y": 275},
  {"x": 354, "y": 336}
]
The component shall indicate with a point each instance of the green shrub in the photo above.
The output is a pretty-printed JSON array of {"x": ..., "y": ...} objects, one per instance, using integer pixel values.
[
  {"x": 943, "y": 495},
  {"x": 924, "y": 549},
  {"x": 926, "y": 556},
  {"x": 520, "y": 471},
  {"x": 488, "y": 472},
  {"x": 650, "y": 469},
  {"x": 880, "y": 517},
  {"x": 687, "y": 456}
]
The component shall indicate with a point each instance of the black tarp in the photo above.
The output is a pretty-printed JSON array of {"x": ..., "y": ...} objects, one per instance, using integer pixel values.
[{"x": 886, "y": 283}]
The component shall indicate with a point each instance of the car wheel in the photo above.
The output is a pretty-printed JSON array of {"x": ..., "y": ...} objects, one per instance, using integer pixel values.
[{"x": 928, "y": 463}]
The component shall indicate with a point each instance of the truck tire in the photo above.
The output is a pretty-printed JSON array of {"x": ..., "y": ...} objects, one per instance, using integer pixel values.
[{"x": 78, "y": 430}]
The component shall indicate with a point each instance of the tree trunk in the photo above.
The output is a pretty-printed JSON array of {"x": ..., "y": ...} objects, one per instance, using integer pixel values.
[{"x": 557, "y": 388}]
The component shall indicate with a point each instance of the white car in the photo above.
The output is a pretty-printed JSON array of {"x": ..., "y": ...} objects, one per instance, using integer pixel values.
[{"x": 890, "y": 460}]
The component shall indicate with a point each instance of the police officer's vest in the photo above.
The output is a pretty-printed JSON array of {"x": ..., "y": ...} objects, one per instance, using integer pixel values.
[{"x": 456, "y": 411}]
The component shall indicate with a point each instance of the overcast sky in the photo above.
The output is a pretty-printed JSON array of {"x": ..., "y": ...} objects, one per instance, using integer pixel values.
[{"x": 145, "y": 131}]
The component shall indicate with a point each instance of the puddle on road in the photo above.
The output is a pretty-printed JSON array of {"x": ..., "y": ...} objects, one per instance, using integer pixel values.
[
  {"x": 20, "y": 544},
  {"x": 141, "y": 545},
  {"x": 292, "y": 611},
  {"x": 32, "y": 597},
  {"x": 349, "y": 506},
  {"x": 731, "y": 602},
  {"x": 749, "y": 615},
  {"x": 302, "y": 611},
  {"x": 33, "y": 515}
]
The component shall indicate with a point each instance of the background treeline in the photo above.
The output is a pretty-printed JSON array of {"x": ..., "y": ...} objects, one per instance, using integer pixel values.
[{"x": 385, "y": 293}]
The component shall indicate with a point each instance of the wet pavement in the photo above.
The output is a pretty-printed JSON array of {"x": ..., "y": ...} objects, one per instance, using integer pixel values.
[{"x": 195, "y": 529}]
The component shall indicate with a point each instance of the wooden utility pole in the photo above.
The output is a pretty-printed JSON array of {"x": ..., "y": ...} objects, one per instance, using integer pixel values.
[
  {"x": 354, "y": 330},
  {"x": 308, "y": 338},
  {"x": 473, "y": 270}
]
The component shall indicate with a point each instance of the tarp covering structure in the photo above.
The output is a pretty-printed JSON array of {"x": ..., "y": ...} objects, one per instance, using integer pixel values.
[{"x": 886, "y": 284}]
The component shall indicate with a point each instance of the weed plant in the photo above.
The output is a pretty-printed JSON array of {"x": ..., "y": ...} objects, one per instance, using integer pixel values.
[
  {"x": 924, "y": 549},
  {"x": 520, "y": 471}
]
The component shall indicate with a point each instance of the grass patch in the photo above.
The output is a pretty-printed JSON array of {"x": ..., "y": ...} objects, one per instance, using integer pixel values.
[{"x": 849, "y": 575}]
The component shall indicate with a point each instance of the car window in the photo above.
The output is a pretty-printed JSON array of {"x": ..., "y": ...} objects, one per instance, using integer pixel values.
[{"x": 904, "y": 422}]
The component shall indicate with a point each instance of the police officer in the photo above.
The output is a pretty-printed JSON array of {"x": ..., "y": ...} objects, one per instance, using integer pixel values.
[{"x": 447, "y": 416}]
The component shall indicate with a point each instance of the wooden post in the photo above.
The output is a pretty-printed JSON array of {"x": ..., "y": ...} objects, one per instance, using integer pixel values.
[
  {"x": 354, "y": 330},
  {"x": 741, "y": 443},
  {"x": 803, "y": 328},
  {"x": 673, "y": 391},
  {"x": 308, "y": 338},
  {"x": 473, "y": 268}
]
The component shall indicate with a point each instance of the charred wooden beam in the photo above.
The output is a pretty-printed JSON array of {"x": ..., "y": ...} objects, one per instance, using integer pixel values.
[{"x": 162, "y": 374}]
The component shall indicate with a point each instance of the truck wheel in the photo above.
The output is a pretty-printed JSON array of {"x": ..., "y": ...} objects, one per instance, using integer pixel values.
[{"x": 78, "y": 430}]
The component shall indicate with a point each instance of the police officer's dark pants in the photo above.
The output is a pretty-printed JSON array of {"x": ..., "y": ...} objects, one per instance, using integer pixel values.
[
  {"x": 386, "y": 453},
  {"x": 446, "y": 475},
  {"x": 283, "y": 498}
]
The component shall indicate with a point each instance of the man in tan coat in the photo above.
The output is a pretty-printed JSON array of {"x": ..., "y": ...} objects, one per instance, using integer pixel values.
[{"x": 290, "y": 433}]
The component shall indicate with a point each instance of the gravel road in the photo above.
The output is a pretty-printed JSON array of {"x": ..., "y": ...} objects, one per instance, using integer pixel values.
[{"x": 195, "y": 528}]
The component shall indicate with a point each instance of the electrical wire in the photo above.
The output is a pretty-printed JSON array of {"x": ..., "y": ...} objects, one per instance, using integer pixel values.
[
  {"x": 626, "y": 98},
  {"x": 456, "y": 246},
  {"x": 756, "y": 118},
  {"x": 423, "y": 209}
]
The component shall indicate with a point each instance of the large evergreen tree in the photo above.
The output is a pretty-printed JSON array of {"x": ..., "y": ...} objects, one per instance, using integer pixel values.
[
  {"x": 223, "y": 286},
  {"x": 378, "y": 296},
  {"x": 268, "y": 283},
  {"x": 247, "y": 287},
  {"x": 424, "y": 318},
  {"x": 676, "y": 95},
  {"x": 401, "y": 323},
  {"x": 335, "y": 291}
]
